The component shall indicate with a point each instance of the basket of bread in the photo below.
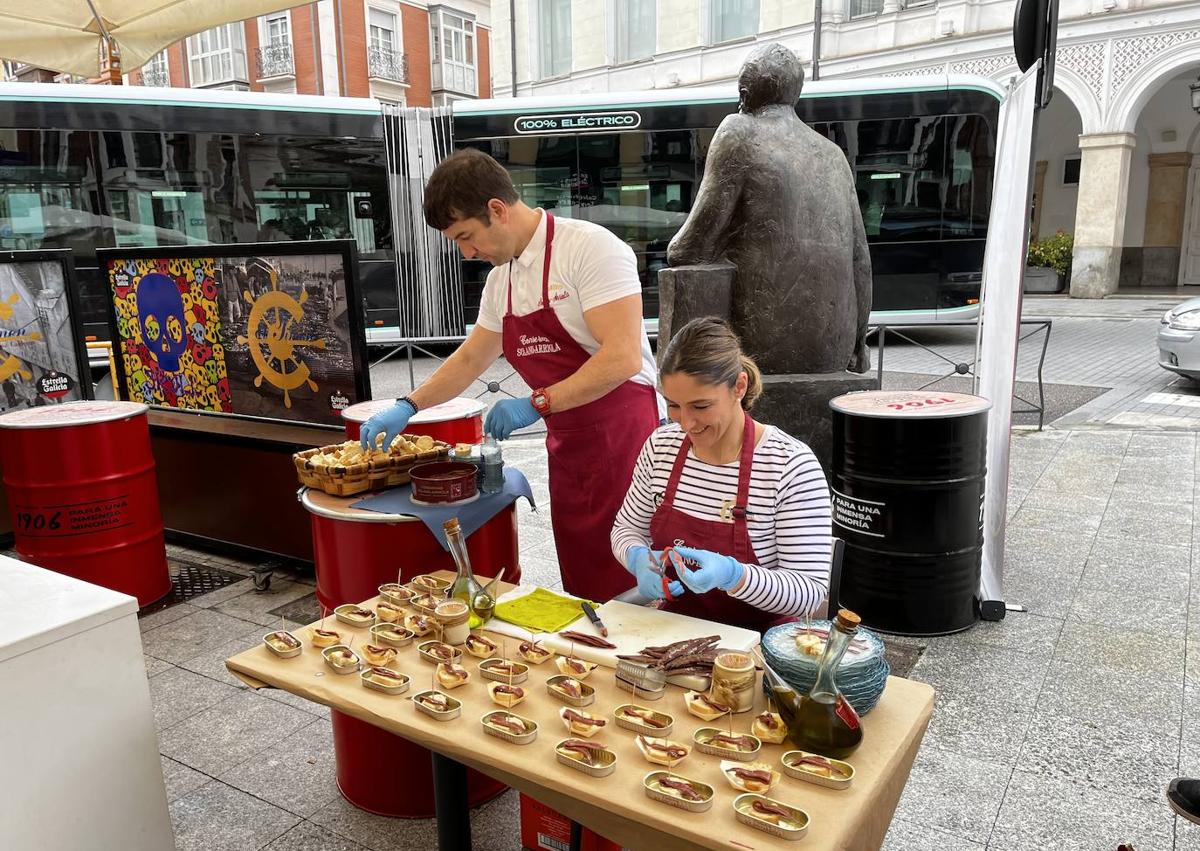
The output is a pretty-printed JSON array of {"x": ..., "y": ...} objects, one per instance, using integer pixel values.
[{"x": 346, "y": 468}]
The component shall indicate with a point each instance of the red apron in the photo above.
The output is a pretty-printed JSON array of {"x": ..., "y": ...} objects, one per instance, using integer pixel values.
[
  {"x": 670, "y": 526},
  {"x": 591, "y": 449}
]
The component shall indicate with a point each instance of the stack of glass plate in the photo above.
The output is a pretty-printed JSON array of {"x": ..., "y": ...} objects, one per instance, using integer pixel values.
[{"x": 861, "y": 676}]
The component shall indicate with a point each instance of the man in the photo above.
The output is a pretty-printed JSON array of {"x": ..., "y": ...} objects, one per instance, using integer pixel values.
[{"x": 563, "y": 304}]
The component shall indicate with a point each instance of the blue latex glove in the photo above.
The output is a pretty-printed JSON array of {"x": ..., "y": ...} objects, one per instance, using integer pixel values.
[
  {"x": 714, "y": 571},
  {"x": 639, "y": 562},
  {"x": 508, "y": 415},
  {"x": 389, "y": 423}
]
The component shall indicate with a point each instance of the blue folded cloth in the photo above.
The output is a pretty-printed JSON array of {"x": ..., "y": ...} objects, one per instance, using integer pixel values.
[{"x": 470, "y": 515}]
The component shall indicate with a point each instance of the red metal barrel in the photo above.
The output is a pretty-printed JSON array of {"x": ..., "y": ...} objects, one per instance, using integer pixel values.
[
  {"x": 355, "y": 552},
  {"x": 457, "y": 421},
  {"x": 82, "y": 494}
]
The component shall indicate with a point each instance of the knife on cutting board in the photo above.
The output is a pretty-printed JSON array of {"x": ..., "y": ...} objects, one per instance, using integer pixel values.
[{"x": 594, "y": 618}]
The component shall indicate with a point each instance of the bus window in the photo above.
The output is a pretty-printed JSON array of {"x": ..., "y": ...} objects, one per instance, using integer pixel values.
[
  {"x": 639, "y": 186},
  {"x": 47, "y": 184},
  {"x": 545, "y": 171},
  {"x": 315, "y": 188},
  {"x": 971, "y": 156},
  {"x": 899, "y": 170}
]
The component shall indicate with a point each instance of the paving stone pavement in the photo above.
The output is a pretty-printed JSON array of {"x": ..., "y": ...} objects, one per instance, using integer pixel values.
[{"x": 1108, "y": 343}]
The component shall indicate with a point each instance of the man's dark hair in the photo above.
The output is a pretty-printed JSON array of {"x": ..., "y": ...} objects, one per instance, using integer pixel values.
[{"x": 461, "y": 186}]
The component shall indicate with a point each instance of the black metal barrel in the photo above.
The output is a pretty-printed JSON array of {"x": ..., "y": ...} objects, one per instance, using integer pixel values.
[{"x": 908, "y": 485}]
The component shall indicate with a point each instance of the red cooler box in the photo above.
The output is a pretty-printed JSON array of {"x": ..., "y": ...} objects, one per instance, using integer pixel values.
[
  {"x": 356, "y": 551},
  {"x": 457, "y": 421},
  {"x": 83, "y": 496}
]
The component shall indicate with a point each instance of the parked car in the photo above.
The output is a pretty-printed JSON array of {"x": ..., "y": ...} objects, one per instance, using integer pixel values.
[{"x": 1179, "y": 339}]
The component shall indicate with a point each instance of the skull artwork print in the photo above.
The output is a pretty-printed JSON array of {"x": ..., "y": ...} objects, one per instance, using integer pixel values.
[{"x": 168, "y": 328}]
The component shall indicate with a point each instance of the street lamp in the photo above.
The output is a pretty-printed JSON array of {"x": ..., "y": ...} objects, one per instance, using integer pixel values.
[{"x": 1195, "y": 87}]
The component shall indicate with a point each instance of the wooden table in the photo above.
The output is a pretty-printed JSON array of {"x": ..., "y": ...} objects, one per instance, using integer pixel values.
[{"x": 615, "y": 806}]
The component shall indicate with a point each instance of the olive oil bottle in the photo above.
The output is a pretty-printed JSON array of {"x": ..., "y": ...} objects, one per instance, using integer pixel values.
[
  {"x": 823, "y": 721},
  {"x": 466, "y": 587}
]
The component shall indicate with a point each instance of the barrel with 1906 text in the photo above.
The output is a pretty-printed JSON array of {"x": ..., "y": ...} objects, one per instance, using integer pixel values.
[
  {"x": 907, "y": 489},
  {"x": 82, "y": 493}
]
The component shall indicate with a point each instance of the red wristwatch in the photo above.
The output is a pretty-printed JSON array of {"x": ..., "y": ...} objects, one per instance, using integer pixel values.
[{"x": 541, "y": 401}]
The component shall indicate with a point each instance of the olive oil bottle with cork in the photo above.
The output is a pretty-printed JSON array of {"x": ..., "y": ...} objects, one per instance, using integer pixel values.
[{"x": 823, "y": 721}]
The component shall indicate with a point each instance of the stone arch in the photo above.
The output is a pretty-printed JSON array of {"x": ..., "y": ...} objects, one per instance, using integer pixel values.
[
  {"x": 1068, "y": 83},
  {"x": 1128, "y": 102}
]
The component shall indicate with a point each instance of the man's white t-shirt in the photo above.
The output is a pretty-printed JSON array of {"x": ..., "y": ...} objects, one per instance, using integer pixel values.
[{"x": 589, "y": 267}]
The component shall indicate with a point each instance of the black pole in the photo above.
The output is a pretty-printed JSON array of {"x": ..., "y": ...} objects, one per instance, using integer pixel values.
[
  {"x": 450, "y": 804},
  {"x": 816, "y": 48}
]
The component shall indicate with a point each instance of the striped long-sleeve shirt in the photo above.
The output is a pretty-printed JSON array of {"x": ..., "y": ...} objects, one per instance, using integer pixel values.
[{"x": 788, "y": 516}]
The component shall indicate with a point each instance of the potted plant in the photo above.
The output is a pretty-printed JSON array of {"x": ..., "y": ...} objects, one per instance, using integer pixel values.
[{"x": 1049, "y": 263}]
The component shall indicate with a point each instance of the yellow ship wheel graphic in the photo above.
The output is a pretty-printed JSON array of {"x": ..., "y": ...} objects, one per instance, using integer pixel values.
[{"x": 274, "y": 352}]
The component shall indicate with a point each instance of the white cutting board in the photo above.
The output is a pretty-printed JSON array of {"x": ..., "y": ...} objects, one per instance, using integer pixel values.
[{"x": 633, "y": 627}]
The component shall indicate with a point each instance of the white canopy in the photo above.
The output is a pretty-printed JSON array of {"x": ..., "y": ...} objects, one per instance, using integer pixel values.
[{"x": 64, "y": 35}]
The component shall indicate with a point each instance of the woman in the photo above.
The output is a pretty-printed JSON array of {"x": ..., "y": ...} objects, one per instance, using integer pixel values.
[{"x": 745, "y": 504}]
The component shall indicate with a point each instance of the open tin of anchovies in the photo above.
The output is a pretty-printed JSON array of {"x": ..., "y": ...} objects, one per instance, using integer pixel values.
[
  {"x": 381, "y": 679},
  {"x": 501, "y": 732},
  {"x": 393, "y": 635},
  {"x": 605, "y": 761},
  {"x": 453, "y": 710},
  {"x": 639, "y": 725},
  {"x": 587, "y": 694},
  {"x": 395, "y": 593},
  {"x": 426, "y": 604},
  {"x": 425, "y": 650},
  {"x": 708, "y": 740},
  {"x": 282, "y": 647},
  {"x": 488, "y": 670},
  {"x": 426, "y": 583},
  {"x": 353, "y": 615},
  {"x": 652, "y": 784},
  {"x": 841, "y": 774},
  {"x": 341, "y": 658},
  {"x": 792, "y": 826}
]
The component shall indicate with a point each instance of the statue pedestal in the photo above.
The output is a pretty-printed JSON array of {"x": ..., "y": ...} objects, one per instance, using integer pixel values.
[
  {"x": 799, "y": 405},
  {"x": 689, "y": 292}
]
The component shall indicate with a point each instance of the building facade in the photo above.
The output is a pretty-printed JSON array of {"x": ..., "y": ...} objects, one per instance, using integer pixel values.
[
  {"x": 1117, "y": 151},
  {"x": 405, "y": 53}
]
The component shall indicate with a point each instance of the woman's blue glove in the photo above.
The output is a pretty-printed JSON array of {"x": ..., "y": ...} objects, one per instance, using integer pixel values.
[
  {"x": 639, "y": 562},
  {"x": 714, "y": 571},
  {"x": 389, "y": 423},
  {"x": 508, "y": 415}
]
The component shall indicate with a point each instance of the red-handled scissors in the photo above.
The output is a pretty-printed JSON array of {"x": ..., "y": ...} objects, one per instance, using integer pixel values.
[{"x": 669, "y": 558}]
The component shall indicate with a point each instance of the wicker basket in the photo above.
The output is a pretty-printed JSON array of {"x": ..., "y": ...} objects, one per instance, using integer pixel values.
[{"x": 373, "y": 474}]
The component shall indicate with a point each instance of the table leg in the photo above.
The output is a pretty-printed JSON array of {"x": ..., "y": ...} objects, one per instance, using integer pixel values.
[{"x": 450, "y": 804}]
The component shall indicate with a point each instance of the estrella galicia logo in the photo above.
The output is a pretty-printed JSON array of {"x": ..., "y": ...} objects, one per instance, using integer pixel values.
[
  {"x": 55, "y": 385},
  {"x": 577, "y": 122}
]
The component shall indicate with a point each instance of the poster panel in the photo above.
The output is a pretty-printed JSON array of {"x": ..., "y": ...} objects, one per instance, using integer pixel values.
[
  {"x": 260, "y": 330},
  {"x": 43, "y": 360}
]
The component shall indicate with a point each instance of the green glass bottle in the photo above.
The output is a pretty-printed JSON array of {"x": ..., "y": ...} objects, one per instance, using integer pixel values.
[{"x": 466, "y": 587}]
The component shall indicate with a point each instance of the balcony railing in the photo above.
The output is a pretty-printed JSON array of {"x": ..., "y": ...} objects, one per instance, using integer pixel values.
[
  {"x": 383, "y": 63},
  {"x": 274, "y": 60},
  {"x": 160, "y": 77}
]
